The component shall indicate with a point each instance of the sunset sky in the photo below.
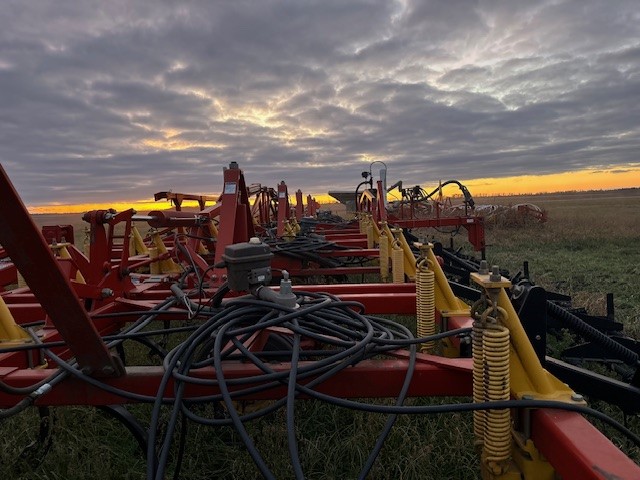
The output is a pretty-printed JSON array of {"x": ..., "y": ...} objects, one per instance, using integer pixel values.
[{"x": 110, "y": 102}]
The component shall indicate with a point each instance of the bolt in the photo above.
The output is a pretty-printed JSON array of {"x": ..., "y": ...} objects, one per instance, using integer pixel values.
[
  {"x": 484, "y": 267},
  {"x": 576, "y": 397},
  {"x": 538, "y": 337},
  {"x": 527, "y": 397},
  {"x": 495, "y": 274},
  {"x": 106, "y": 292},
  {"x": 108, "y": 370},
  {"x": 86, "y": 370}
]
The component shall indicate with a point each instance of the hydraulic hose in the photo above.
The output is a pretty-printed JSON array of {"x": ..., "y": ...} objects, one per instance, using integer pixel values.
[{"x": 573, "y": 321}]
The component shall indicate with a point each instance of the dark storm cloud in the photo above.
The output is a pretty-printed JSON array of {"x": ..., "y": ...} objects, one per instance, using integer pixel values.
[{"x": 116, "y": 100}]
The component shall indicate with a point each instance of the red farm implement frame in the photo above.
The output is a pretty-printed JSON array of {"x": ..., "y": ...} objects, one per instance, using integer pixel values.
[
  {"x": 205, "y": 272},
  {"x": 409, "y": 212}
]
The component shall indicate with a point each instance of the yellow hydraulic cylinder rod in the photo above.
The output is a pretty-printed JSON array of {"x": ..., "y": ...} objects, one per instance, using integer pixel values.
[
  {"x": 384, "y": 257},
  {"x": 10, "y": 331},
  {"x": 397, "y": 263}
]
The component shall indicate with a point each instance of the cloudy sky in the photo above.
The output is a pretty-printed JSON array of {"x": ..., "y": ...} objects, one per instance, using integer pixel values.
[{"x": 119, "y": 99}]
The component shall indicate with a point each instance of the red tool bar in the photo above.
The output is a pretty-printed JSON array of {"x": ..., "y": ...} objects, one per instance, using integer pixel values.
[
  {"x": 577, "y": 450},
  {"x": 367, "y": 379},
  {"x": 377, "y": 298},
  {"x": 33, "y": 258},
  {"x": 27, "y": 312}
]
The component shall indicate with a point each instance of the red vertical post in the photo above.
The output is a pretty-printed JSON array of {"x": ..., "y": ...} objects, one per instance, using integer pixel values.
[
  {"x": 236, "y": 224},
  {"x": 299, "y": 205},
  {"x": 33, "y": 258},
  {"x": 311, "y": 206},
  {"x": 283, "y": 208}
]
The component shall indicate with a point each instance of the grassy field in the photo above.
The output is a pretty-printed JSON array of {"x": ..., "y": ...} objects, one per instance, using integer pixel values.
[{"x": 588, "y": 247}]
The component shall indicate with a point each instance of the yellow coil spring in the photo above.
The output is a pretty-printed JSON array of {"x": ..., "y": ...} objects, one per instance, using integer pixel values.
[
  {"x": 479, "y": 416},
  {"x": 362, "y": 223},
  {"x": 497, "y": 434},
  {"x": 425, "y": 305},
  {"x": 384, "y": 257},
  {"x": 296, "y": 226},
  {"x": 397, "y": 263},
  {"x": 369, "y": 230},
  {"x": 289, "y": 232}
]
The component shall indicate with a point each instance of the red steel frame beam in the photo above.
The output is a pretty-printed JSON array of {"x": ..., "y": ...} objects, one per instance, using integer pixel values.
[
  {"x": 433, "y": 376},
  {"x": 473, "y": 225},
  {"x": 577, "y": 450},
  {"x": 33, "y": 258}
]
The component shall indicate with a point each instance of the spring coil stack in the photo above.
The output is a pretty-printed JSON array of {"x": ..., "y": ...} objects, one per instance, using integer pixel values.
[
  {"x": 369, "y": 231},
  {"x": 397, "y": 262},
  {"x": 491, "y": 382},
  {"x": 497, "y": 434},
  {"x": 384, "y": 256},
  {"x": 425, "y": 304}
]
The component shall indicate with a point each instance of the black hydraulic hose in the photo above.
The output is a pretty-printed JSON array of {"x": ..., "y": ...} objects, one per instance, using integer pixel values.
[
  {"x": 365, "y": 182},
  {"x": 392, "y": 417},
  {"x": 467, "y": 195},
  {"x": 583, "y": 328}
]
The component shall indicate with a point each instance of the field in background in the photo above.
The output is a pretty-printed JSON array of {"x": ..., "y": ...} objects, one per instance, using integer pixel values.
[{"x": 589, "y": 246}]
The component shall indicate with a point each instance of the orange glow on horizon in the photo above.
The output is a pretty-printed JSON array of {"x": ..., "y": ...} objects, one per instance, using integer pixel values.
[
  {"x": 581, "y": 180},
  {"x": 622, "y": 177},
  {"x": 142, "y": 206}
]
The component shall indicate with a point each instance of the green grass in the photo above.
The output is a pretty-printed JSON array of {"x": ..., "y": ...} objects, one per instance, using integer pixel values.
[{"x": 588, "y": 247}]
